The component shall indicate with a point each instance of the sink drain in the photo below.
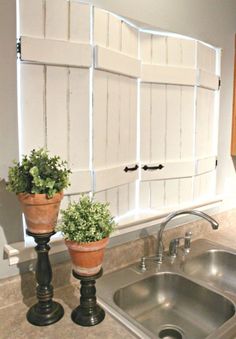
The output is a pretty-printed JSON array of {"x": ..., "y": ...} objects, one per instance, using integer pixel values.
[{"x": 170, "y": 333}]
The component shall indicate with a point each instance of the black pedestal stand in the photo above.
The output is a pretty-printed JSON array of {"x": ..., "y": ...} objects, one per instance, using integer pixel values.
[
  {"x": 46, "y": 311},
  {"x": 88, "y": 313}
]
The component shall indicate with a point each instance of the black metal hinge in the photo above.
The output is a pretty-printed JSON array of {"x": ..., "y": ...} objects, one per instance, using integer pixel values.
[
  {"x": 18, "y": 49},
  {"x": 219, "y": 84},
  {"x": 216, "y": 162}
]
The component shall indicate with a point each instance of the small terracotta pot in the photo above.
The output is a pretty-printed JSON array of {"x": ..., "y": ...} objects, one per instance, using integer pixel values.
[
  {"x": 87, "y": 258},
  {"x": 40, "y": 212}
]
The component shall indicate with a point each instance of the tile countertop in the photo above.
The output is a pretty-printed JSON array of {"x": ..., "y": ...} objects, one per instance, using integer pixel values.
[{"x": 13, "y": 318}]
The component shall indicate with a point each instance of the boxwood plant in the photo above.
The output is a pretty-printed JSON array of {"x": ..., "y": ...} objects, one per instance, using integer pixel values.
[
  {"x": 86, "y": 221},
  {"x": 38, "y": 173}
]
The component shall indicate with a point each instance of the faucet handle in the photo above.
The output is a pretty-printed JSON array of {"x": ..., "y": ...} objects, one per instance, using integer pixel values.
[
  {"x": 187, "y": 242},
  {"x": 173, "y": 247}
]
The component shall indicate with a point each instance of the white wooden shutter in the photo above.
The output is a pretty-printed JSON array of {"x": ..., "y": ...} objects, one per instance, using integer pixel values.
[
  {"x": 79, "y": 99},
  {"x": 167, "y": 120},
  {"x": 115, "y": 111},
  {"x": 55, "y": 35},
  {"x": 177, "y": 94}
]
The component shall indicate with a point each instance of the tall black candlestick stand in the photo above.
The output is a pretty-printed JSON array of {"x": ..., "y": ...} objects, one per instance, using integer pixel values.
[
  {"x": 88, "y": 313},
  {"x": 45, "y": 311}
]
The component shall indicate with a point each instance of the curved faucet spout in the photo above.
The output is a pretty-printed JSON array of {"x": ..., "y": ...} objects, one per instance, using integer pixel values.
[{"x": 160, "y": 248}]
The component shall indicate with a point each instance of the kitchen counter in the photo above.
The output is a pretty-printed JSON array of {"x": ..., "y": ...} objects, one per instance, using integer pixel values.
[{"x": 14, "y": 323}]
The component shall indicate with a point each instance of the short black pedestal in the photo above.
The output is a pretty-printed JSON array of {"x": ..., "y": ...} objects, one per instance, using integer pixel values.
[
  {"x": 46, "y": 311},
  {"x": 88, "y": 313}
]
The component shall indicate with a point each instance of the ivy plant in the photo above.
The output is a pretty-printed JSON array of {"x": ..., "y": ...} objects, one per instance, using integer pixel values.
[
  {"x": 38, "y": 173},
  {"x": 86, "y": 221}
]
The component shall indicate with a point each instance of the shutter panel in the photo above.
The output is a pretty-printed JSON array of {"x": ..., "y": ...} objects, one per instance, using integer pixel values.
[
  {"x": 172, "y": 131},
  {"x": 115, "y": 110},
  {"x": 55, "y": 100},
  {"x": 167, "y": 119}
]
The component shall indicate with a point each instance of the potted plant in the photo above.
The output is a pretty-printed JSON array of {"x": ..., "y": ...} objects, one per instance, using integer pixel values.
[
  {"x": 39, "y": 181},
  {"x": 86, "y": 226}
]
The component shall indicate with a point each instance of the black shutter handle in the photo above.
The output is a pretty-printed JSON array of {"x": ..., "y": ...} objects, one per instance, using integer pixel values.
[
  {"x": 126, "y": 169},
  {"x": 152, "y": 168}
]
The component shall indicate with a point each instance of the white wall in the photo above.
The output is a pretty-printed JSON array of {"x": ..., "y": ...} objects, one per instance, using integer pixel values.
[{"x": 10, "y": 216}]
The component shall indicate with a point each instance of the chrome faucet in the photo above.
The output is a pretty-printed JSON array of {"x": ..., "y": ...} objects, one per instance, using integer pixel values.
[{"x": 160, "y": 247}]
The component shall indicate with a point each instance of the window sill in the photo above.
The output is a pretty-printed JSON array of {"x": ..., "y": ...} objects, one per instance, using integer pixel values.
[{"x": 129, "y": 228}]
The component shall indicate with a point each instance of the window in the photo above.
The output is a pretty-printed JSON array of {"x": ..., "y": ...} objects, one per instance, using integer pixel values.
[{"x": 134, "y": 113}]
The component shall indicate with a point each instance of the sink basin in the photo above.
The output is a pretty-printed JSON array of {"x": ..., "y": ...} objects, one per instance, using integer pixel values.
[
  {"x": 172, "y": 306},
  {"x": 216, "y": 267}
]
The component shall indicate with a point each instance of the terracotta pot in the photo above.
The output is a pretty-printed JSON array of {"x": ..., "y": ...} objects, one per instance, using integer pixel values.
[
  {"x": 87, "y": 258},
  {"x": 40, "y": 212}
]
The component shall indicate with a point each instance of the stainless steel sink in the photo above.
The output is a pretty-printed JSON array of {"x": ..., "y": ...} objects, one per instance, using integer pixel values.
[
  {"x": 216, "y": 267},
  {"x": 171, "y": 306},
  {"x": 181, "y": 299}
]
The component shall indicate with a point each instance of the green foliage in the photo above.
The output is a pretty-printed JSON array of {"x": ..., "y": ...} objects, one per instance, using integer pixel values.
[
  {"x": 86, "y": 221},
  {"x": 38, "y": 173}
]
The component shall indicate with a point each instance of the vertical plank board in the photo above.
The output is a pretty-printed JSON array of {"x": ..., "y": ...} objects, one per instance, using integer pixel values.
[
  {"x": 171, "y": 192},
  {"x": 206, "y": 57},
  {"x": 174, "y": 55},
  {"x": 129, "y": 40},
  {"x": 185, "y": 190},
  {"x": 31, "y": 18},
  {"x": 173, "y": 123},
  {"x": 124, "y": 120},
  {"x": 100, "y": 27},
  {"x": 145, "y": 126},
  {"x": 57, "y": 19},
  {"x": 113, "y": 119},
  {"x": 32, "y": 107},
  {"x": 132, "y": 196},
  {"x": 213, "y": 60},
  {"x": 187, "y": 122},
  {"x": 123, "y": 199},
  {"x": 79, "y": 119},
  {"x": 100, "y": 196},
  {"x": 79, "y": 22},
  {"x": 114, "y": 32},
  {"x": 188, "y": 51},
  {"x": 145, "y": 195},
  {"x": 157, "y": 194},
  {"x": 145, "y": 48},
  {"x": 159, "y": 49},
  {"x": 204, "y": 186},
  {"x": 112, "y": 199},
  {"x": 210, "y": 105},
  {"x": 99, "y": 119},
  {"x": 158, "y": 122},
  {"x": 133, "y": 120},
  {"x": 56, "y": 110},
  {"x": 203, "y": 123}
]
